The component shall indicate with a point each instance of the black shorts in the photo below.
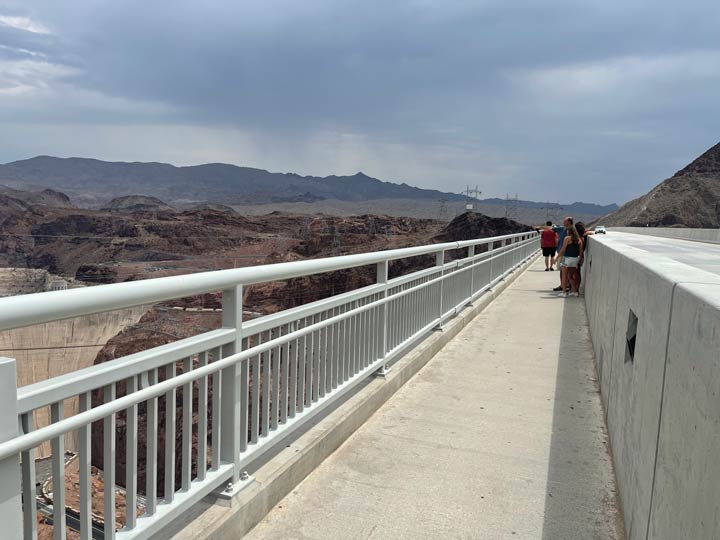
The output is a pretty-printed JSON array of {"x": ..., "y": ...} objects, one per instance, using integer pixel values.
[{"x": 548, "y": 252}]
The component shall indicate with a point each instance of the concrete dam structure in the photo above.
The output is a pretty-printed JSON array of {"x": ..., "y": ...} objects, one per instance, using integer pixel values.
[{"x": 461, "y": 400}]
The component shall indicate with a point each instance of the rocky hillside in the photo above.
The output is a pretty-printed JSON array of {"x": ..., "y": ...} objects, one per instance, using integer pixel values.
[
  {"x": 47, "y": 197},
  {"x": 690, "y": 198},
  {"x": 471, "y": 225},
  {"x": 137, "y": 203}
]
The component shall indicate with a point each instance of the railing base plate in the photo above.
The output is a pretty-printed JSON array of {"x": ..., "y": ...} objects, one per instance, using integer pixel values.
[
  {"x": 383, "y": 372},
  {"x": 225, "y": 496}
]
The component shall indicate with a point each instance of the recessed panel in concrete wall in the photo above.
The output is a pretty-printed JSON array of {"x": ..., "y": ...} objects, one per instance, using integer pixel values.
[{"x": 686, "y": 499}]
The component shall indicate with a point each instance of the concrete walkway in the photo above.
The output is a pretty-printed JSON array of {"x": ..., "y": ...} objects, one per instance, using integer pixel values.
[{"x": 500, "y": 436}]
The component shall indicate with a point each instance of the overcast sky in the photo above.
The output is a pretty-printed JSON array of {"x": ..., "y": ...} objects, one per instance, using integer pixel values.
[{"x": 593, "y": 100}]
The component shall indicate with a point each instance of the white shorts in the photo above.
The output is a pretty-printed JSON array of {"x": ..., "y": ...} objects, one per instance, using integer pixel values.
[{"x": 570, "y": 262}]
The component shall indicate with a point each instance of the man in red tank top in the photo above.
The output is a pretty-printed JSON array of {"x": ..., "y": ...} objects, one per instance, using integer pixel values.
[{"x": 548, "y": 243}]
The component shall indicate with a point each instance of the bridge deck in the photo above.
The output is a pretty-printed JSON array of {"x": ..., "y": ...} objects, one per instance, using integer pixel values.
[{"x": 501, "y": 436}]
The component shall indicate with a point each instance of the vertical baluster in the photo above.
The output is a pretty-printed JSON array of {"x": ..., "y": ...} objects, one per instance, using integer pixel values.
[
  {"x": 351, "y": 344},
  {"x": 382, "y": 316},
  {"x": 337, "y": 349},
  {"x": 170, "y": 437},
  {"x": 365, "y": 339},
  {"x": 356, "y": 342},
  {"x": 216, "y": 412},
  {"x": 322, "y": 357},
  {"x": 349, "y": 335},
  {"x": 370, "y": 336},
  {"x": 405, "y": 313},
  {"x": 316, "y": 348},
  {"x": 389, "y": 318},
  {"x": 417, "y": 296},
  {"x": 396, "y": 318},
  {"x": 404, "y": 316},
  {"x": 131, "y": 431},
  {"x": 28, "y": 481},
  {"x": 345, "y": 346},
  {"x": 57, "y": 447},
  {"x": 109, "y": 426},
  {"x": 151, "y": 461},
  {"x": 329, "y": 356},
  {"x": 424, "y": 302},
  {"x": 285, "y": 380},
  {"x": 255, "y": 399},
  {"x": 293, "y": 385},
  {"x": 372, "y": 333},
  {"x": 275, "y": 397},
  {"x": 265, "y": 409},
  {"x": 331, "y": 372},
  {"x": 411, "y": 310},
  {"x": 302, "y": 371},
  {"x": 202, "y": 420},
  {"x": 187, "y": 416},
  {"x": 244, "y": 398},
  {"x": 362, "y": 339},
  {"x": 309, "y": 365}
]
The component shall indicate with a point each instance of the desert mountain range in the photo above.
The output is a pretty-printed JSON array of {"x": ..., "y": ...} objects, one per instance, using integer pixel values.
[{"x": 92, "y": 183}]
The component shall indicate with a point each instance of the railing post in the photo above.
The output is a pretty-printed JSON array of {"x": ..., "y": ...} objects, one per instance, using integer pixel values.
[
  {"x": 231, "y": 383},
  {"x": 10, "y": 484},
  {"x": 440, "y": 261},
  {"x": 382, "y": 279}
]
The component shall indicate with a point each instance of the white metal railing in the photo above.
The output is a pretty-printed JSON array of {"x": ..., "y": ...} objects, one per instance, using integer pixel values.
[{"x": 240, "y": 391}]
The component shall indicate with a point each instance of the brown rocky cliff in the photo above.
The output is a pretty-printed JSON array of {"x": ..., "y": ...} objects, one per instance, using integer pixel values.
[{"x": 690, "y": 198}]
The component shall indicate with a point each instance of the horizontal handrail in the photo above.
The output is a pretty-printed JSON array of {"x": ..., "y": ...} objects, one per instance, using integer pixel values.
[
  {"x": 42, "y": 393},
  {"x": 25, "y": 310}
]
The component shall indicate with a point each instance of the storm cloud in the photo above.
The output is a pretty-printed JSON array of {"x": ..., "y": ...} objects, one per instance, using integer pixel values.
[{"x": 556, "y": 100}]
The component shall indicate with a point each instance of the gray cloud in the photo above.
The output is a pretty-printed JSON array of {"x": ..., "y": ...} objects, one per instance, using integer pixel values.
[{"x": 553, "y": 100}]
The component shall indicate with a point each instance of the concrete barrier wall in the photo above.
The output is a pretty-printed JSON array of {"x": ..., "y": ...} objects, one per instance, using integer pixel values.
[
  {"x": 698, "y": 235},
  {"x": 658, "y": 402}
]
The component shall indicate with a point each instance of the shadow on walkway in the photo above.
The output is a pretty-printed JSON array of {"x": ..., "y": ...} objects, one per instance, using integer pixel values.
[{"x": 579, "y": 449}]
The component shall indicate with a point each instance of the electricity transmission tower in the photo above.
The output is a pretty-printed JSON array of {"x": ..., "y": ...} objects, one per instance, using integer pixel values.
[
  {"x": 443, "y": 210},
  {"x": 511, "y": 207},
  {"x": 471, "y": 194}
]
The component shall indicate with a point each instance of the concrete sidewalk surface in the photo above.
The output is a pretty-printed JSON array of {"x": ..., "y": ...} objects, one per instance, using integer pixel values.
[{"x": 500, "y": 436}]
